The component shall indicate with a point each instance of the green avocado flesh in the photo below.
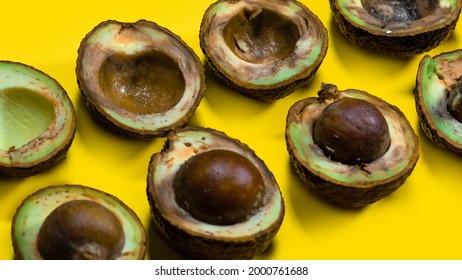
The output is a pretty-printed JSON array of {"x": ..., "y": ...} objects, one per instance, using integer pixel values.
[
  {"x": 30, "y": 216},
  {"x": 24, "y": 115},
  {"x": 404, "y": 13},
  {"x": 438, "y": 75},
  {"x": 399, "y": 156},
  {"x": 37, "y": 118}
]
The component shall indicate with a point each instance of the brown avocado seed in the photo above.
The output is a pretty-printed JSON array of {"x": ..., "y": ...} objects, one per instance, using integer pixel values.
[
  {"x": 455, "y": 101},
  {"x": 219, "y": 187},
  {"x": 352, "y": 131},
  {"x": 81, "y": 230}
]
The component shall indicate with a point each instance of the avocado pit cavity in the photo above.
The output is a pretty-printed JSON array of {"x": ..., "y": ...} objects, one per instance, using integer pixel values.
[
  {"x": 147, "y": 83},
  {"x": 25, "y": 115},
  {"x": 352, "y": 131},
  {"x": 392, "y": 11},
  {"x": 81, "y": 230},
  {"x": 219, "y": 187},
  {"x": 261, "y": 36},
  {"x": 455, "y": 101}
]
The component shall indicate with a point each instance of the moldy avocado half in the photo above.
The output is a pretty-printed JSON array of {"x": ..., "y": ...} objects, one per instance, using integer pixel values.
[
  {"x": 264, "y": 49},
  {"x": 76, "y": 222},
  {"x": 211, "y": 197},
  {"x": 139, "y": 79},
  {"x": 398, "y": 28},
  {"x": 381, "y": 161},
  {"x": 38, "y": 120},
  {"x": 438, "y": 96}
]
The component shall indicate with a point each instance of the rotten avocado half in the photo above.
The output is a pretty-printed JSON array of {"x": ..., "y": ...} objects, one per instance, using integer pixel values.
[
  {"x": 264, "y": 49},
  {"x": 349, "y": 146},
  {"x": 74, "y": 222},
  {"x": 438, "y": 97},
  {"x": 211, "y": 197},
  {"x": 38, "y": 120},
  {"x": 139, "y": 78},
  {"x": 398, "y": 28}
]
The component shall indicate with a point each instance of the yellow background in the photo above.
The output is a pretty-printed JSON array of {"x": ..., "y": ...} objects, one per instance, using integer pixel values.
[{"x": 419, "y": 221}]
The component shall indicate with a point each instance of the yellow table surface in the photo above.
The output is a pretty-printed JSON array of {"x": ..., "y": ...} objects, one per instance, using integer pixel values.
[{"x": 421, "y": 220}]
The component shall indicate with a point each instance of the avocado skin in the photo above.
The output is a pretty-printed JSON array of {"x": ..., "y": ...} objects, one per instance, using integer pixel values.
[
  {"x": 14, "y": 171},
  {"x": 338, "y": 194},
  {"x": 400, "y": 46},
  {"x": 434, "y": 135}
]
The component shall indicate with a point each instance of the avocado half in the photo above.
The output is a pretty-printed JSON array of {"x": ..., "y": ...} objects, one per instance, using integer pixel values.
[
  {"x": 398, "y": 28},
  {"x": 264, "y": 49},
  {"x": 38, "y": 120},
  {"x": 139, "y": 79},
  {"x": 438, "y": 78},
  {"x": 192, "y": 236},
  {"x": 349, "y": 185},
  {"x": 29, "y": 222}
]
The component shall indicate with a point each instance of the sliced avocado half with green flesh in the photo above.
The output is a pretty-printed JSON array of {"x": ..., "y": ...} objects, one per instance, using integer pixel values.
[
  {"x": 438, "y": 95},
  {"x": 356, "y": 182},
  {"x": 264, "y": 49},
  {"x": 67, "y": 222},
  {"x": 37, "y": 120},
  {"x": 139, "y": 78},
  {"x": 398, "y": 28}
]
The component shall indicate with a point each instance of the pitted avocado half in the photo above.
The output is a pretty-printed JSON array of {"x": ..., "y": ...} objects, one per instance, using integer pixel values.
[
  {"x": 349, "y": 146},
  {"x": 438, "y": 97},
  {"x": 66, "y": 222},
  {"x": 264, "y": 49},
  {"x": 38, "y": 121},
  {"x": 398, "y": 28},
  {"x": 211, "y": 197},
  {"x": 139, "y": 78}
]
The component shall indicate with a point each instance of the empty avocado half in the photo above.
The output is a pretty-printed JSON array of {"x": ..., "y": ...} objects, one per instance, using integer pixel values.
[
  {"x": 349, "y": 146},
  {"x": 139, "y": 79},
  {"x": 264, "y": 49},
  {"x": 74, "y": 222},
  {"x": 398, "y": 28},
  {"x": 211, "y": 197},
  {"x": 38, "y": 121},
  {"x": 438, "y": 97}
]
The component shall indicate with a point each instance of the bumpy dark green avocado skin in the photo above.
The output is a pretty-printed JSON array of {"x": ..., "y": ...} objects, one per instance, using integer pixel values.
[{"x": 400, "y": 46}]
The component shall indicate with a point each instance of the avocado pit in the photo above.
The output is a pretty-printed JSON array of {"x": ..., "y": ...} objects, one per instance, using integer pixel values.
[
  {"x": 81, "y": 230},
  {"x": 219, "y": 187},
  {"x": 352, "y": 131}
]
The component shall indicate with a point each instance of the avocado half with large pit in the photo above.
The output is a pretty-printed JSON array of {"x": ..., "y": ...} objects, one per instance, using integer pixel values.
[
  {"x": 211, "y": 197},
  {"x": 264, "y": 49},
  {"x": 398, "y": 28},
  {"x": 438, "y": 97},
  {"x": 349, "y": 146},
  {"x": 139, "y": 79},
  {"x": 38, "y": 121},
  {"x": 75, "y": 222}
]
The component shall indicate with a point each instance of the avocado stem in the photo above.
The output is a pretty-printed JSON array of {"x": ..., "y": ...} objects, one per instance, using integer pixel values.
[{"x": 328, "y": 91}]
